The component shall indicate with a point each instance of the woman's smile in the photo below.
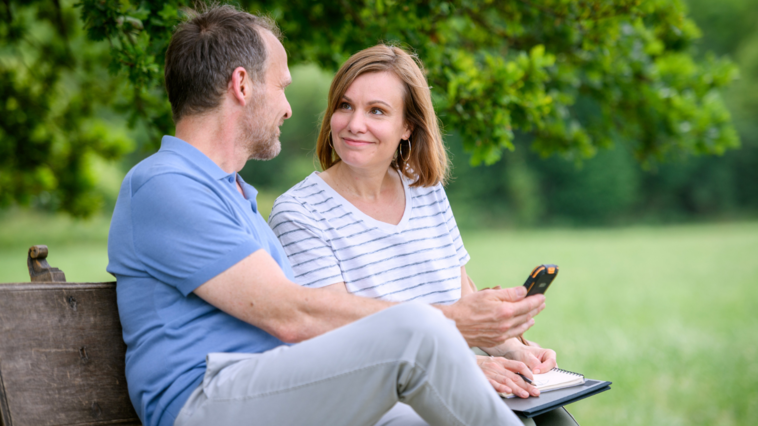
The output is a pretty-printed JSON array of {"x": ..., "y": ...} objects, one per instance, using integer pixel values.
[{"x": 356, "y": 142}]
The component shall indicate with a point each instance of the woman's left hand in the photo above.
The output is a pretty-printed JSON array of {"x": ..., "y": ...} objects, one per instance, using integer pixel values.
[
  {"x": 538, "y": 359},
  {"x": 503, "y": 375}
]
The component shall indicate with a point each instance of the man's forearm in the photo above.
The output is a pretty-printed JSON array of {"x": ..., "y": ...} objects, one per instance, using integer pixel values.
[
  {"x": 256, "y": 291},
  {"x": 312, "y": 312}
]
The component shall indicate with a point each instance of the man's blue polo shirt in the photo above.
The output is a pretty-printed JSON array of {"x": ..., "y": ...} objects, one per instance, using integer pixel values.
[{"x": 180, "y": 221}]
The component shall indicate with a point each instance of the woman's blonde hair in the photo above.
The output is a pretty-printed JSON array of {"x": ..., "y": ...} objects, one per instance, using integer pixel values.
[{"x": 427, "y": 164}]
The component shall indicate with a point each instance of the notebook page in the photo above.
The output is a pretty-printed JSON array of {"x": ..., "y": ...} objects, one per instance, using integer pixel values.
[{"x": 553, "y": 380}]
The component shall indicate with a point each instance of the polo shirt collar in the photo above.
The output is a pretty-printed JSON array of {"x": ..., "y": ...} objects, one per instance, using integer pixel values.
[
  {"x": 171, "y": 143},
  {"x": 251, "y": 193}
]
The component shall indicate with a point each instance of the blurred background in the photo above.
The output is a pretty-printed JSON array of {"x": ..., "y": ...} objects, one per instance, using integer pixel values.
[{"x": 656, "y": 232}]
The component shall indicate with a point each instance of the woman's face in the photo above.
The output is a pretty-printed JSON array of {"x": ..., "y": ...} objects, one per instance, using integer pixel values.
[{"x": 369, "y": 121}]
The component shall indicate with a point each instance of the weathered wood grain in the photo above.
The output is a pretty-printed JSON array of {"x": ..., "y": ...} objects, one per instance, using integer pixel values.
[{"x": 62, "y": 356}]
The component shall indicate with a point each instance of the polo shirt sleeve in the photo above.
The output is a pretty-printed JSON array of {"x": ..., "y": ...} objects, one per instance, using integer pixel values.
[
  {"x": 452, "y": 228},
  {"x": 185, "y": 232},
  {"x": 306, "y": 244}
]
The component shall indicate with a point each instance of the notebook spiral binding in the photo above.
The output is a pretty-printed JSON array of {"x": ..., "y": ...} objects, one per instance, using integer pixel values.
[{"x": 560, "y": 370}]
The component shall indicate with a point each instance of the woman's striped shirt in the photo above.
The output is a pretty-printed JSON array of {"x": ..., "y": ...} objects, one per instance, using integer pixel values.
[{"x": 328, "y": 240}]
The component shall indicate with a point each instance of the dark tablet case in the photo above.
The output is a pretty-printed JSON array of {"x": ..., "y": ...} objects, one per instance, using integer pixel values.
[{"x": 534, "y": 406}]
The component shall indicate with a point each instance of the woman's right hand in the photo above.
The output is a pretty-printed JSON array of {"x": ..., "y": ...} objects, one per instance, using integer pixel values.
[{"x": 501, "y": 373}]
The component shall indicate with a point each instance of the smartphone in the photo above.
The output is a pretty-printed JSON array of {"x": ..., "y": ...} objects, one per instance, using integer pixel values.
[{"x": 540, "y": 278}]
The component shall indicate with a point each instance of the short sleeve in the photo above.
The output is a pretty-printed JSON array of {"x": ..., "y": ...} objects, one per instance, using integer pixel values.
[
  {"x": 452, "y": 228},
  {"x": 303, "y": 238},
  {"x": 185, "y": 233}
]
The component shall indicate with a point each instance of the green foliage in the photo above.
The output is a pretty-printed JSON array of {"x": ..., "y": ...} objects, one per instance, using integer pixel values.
[
  {"x": 138, "y": 35},
  {"x": 731, "y": 31},
  {"x": 527, "y": 190},
  {"x": 500, "y": 67},
  {"x": 610, "y": 188},
  {"x": 50, "y": 88},
  {"x": 573, "y": 76},
  {"x": 496, "y": 67}
]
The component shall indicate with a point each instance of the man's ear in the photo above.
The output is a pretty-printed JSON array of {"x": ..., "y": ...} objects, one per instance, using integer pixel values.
[{"x": 240, "y": 86}]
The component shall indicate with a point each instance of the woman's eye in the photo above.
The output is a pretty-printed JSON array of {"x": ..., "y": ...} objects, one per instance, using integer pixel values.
[
  {"x": 345, "y": 105},
  {"x": 377, "y": 111}
]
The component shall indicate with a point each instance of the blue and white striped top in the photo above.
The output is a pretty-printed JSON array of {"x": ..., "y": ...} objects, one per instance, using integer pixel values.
[{"x": 328, "y": 240}]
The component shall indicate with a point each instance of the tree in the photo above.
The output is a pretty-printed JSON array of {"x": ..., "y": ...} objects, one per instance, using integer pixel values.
[
  {"x": 572, "y": 75},
  {"x": 50, "y": 87}
]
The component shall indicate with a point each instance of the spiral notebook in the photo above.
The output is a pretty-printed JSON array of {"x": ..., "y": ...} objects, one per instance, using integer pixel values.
[{"x": 553, "y": 380}]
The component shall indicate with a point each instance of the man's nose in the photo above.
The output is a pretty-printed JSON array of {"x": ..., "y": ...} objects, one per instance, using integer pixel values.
[{"x": 288, "y": 111}]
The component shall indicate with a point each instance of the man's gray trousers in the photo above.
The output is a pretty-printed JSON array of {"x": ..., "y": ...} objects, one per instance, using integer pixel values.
[{"x": 353, "y": 375}]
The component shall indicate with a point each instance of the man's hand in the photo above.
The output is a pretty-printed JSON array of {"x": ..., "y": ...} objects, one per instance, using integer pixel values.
[
  {"x": 539, "y": 360},
  {"x": 502, "y": 375},
  {"x": 489, "y": 317}
]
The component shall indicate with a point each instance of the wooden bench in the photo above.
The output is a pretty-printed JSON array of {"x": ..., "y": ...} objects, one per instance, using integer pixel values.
[{"x": 61, "y": 351}]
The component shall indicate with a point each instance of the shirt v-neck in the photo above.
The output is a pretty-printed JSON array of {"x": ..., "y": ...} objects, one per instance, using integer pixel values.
[{"x": 358, "y": 214}]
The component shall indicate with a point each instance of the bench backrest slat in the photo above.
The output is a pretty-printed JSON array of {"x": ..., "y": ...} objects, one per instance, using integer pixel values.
[{"x": 62, "y": 355}]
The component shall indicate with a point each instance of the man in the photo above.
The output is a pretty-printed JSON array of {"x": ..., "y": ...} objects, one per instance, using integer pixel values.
[{"x": 204, "y": 289}]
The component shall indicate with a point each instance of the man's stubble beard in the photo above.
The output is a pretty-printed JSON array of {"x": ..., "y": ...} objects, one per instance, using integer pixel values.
[{"x": 260, "y": 132}]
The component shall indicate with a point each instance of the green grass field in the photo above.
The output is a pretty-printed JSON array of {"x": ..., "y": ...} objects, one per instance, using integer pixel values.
[{"x": 668, "y": 314}]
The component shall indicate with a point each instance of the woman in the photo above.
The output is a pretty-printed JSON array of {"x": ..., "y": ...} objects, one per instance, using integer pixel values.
[{"x": 376, "y": 222}]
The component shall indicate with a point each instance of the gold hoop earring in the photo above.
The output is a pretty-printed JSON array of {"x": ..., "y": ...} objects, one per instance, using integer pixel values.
[{"x": 410, "y": 148}]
